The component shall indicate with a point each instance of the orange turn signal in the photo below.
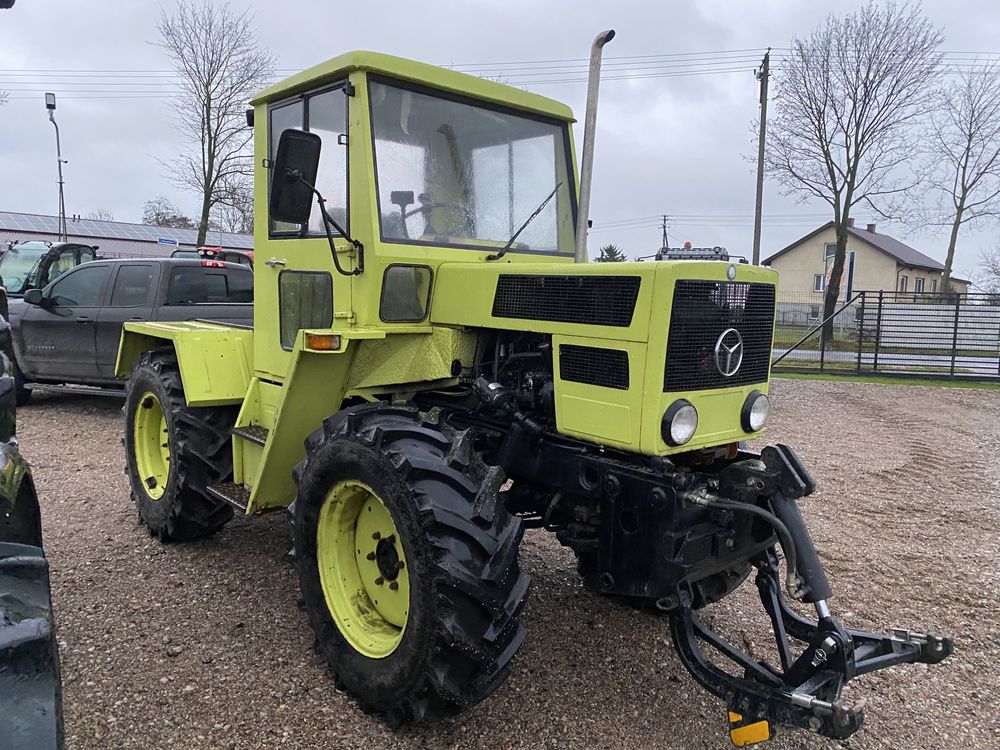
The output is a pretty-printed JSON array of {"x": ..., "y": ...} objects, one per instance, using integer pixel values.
[{"x": 323, "y": 342}]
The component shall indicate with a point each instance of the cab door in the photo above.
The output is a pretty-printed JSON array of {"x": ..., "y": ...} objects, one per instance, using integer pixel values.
[
  {"x": 60, "y": 334},
  {"x": 295, "y": 283},
  {"x": 131, "y": 299}
]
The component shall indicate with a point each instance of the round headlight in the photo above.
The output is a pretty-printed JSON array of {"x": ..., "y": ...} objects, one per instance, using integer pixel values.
[
  {"x": 679, "y": 423},
  {"x": 754, "y": 413}
]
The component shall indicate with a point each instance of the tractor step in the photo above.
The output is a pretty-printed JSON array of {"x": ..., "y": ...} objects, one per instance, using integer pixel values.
[
  {"x": 236, "y": 495},
  {"x": 252, "y": 434}
]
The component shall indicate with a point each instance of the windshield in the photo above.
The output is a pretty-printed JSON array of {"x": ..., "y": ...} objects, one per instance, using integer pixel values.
[
  {"x": 19, "y": 265},
  {"x": 456, "y": 173}
]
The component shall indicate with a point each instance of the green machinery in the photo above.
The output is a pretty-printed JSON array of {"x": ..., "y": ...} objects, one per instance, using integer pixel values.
[{"x": 431, "y": 371}]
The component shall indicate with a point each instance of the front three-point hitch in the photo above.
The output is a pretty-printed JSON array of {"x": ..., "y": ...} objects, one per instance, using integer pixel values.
[{"x": 805, "y": 690}]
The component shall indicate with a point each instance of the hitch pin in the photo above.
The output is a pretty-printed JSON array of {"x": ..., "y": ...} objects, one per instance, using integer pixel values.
[
  {"x": 822, "y": 609},
  {"x": 826, "y": 648}
]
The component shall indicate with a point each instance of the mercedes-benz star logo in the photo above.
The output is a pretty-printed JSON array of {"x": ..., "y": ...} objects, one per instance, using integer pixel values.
[{"x": 729, "y": 352}]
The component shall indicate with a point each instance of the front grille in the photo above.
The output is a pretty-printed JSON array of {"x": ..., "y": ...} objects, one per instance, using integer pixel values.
[
  {"x": 701, "y": 313},
  {"x": 590, "y": 300},
  {"x": 588, "y": 364}
]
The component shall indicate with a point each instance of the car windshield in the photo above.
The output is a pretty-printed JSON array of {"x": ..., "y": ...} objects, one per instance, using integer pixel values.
[
  {"x": 19, "y": 265},
  {"x": 451, "y": 172}
]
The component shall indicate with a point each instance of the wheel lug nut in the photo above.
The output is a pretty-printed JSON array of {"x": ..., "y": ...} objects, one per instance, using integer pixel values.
[
  {"x": 400, "y": 565},
  {"x": 393, "y": 585},
  {"x": 391, "y": 539},
  {"x": 370, "y": 556},
  {"x": 376, "y": 536},
  {"x": 379, "y": 581}
]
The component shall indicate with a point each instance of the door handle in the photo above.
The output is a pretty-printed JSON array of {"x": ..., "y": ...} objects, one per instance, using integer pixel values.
[
  {"x": 83, "y": 319},
  {"x": 274, "y": 262}
]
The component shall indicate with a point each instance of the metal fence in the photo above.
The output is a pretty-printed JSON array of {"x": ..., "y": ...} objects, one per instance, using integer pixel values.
[{"x": 943, "y": 335}]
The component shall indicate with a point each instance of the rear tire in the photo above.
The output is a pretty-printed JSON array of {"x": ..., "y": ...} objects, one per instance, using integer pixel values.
[
  {"x": 170, "y": 491},
  {"x": 460, "y": 546}
]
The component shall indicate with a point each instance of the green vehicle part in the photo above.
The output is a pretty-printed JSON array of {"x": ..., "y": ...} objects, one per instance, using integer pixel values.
[{"x": 430, "y": 372}]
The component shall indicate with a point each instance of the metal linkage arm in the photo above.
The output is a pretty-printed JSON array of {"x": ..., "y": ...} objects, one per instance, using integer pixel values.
[{"x": 805, "y": 691}]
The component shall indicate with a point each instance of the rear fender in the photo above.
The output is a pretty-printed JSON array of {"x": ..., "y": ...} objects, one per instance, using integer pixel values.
[{"x": 215, "y": 360}]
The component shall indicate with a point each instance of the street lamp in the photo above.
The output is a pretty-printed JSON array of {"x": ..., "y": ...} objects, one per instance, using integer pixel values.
[{"x": 50, "y": 105}]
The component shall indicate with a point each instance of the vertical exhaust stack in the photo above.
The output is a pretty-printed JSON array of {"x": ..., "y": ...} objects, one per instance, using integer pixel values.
[{"x": 590, "y": 125}]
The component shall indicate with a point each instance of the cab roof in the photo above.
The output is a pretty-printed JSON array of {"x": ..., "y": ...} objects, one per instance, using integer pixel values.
[{"x": 417, "y": 72}]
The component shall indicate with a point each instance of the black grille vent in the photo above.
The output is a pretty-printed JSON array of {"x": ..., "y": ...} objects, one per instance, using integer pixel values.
[
  {"x": 701, "y": 313},
  {"x": 590, "y": 300},
  {"x": 587, "y": 364}
]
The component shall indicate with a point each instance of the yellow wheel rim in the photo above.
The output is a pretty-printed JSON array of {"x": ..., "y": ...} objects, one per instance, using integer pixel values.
[
  {"x": 152, "y": 445},
  {"x": 362, "y": 569}
]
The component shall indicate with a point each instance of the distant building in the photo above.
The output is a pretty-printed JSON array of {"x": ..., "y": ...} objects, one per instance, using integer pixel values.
[
  {"x": 116, "y": 239},
  {"x": 874, "y": 262}
]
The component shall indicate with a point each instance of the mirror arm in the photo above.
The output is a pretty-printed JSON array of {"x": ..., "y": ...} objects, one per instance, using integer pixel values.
[{"x": 327, "y": 223}]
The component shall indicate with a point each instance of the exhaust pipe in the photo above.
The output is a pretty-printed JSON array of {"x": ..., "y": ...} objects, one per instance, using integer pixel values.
[{"x": 590, "y": 125}]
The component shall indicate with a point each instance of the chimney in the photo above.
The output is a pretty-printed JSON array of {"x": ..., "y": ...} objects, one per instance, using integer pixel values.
[
  {"x": 850, "y": 223},
  {"x": 871, "y": 228}
]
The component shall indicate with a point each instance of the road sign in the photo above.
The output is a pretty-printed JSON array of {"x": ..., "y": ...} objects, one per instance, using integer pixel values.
[{"x": 167, "y": 241}]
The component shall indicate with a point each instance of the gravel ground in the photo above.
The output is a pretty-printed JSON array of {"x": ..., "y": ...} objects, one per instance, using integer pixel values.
[{"x": 203, "y": 646}]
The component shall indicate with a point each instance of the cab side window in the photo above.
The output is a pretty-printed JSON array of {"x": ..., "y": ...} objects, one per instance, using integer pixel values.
[
  {"x": 325, "y": 114},
  {"x": 63, "y": 262},
  {"x": 305, "y": 300}
]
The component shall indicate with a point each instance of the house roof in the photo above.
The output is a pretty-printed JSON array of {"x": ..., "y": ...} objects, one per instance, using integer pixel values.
[
  {"x": 40, "y": 226},
  {"x": 903, "y": 253}
]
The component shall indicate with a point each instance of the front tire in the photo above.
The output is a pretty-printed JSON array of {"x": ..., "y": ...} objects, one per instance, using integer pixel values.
[
  {"x": 173, "y": 452},
  {"x": 444, "y": 637}
]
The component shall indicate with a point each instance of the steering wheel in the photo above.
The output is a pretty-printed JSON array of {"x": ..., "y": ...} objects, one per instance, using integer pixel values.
[{"x": 426, "y": 206}]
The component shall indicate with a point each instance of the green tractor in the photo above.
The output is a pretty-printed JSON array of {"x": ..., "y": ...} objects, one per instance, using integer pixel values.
[{"x": 433, "y": 368}]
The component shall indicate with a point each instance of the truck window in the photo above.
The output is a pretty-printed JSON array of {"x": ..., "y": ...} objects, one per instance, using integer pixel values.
[
  {"x": 82, "y": 288},
  {"x": 132, "y": 285},
  {"x": 305, "y": 300},
  {"x": 326, "y": 116},
  {"x": 195, "y": 285}
]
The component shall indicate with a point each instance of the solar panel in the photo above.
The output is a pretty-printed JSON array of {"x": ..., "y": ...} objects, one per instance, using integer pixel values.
[{"x": 118, "y": 231}]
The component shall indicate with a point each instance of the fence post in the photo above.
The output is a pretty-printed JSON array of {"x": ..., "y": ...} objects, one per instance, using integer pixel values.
[
  {"x": 954, "y": 335},
  {"x": 878, "y": 330},
  {"x": 861, "y": 329},
  {"x": 822, "y": 346}
]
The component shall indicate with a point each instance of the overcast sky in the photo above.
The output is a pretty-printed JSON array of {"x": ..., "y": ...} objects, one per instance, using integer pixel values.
[{"x": 674, "y": 144}]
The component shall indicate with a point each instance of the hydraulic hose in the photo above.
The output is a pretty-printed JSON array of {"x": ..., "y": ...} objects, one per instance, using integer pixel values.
[{"x": 793, "y": 582}]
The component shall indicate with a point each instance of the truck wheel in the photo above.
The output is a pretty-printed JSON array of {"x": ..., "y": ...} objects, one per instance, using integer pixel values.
[
  {"x": 22, "y": 394},
  {"x": 174, "y": 452},
  {"x": 407, "y": 563}
]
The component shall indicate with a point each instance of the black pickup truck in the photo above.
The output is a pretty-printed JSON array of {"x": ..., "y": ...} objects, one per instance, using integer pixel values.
[{"x": 68, "y": 332}]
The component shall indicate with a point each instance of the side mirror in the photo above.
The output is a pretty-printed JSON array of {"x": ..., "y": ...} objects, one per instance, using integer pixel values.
[
  {"x": 34, "y": 297},
  {"x": 293, "y": 176}
]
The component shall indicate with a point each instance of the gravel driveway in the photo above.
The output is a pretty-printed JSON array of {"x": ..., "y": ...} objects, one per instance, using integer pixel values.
[{"x": 204, "y": 646}]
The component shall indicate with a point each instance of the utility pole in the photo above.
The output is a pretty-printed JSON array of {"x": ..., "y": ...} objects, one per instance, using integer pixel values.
[
  {"x": 50, "y": 105},
  {"x": 762, "y": 74},
  {"x": 664, "y": 245}
]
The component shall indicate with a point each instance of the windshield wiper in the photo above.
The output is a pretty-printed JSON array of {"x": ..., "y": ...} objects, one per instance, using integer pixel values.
[{"x": 542, "y": 205}]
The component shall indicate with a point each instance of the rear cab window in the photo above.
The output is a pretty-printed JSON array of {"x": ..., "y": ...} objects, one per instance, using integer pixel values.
[
  {"x": 197, "y": 285},
  {"x": 132, "y": 285}
]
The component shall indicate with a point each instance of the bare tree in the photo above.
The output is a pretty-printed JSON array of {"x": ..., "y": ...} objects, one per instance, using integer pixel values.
[
  {"x": 160, "y": 212},
  {"x": 101, "y": 214},
  {"x": 987, "y": 278},
  {"x": 221, "y": 64},
  {"x": 963, "y": 146},
  {"x": 847, "y": 96},
  {"x": 234, "y": 213}
]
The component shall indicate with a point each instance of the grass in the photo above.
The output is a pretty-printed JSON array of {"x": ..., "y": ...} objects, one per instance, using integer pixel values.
[{"x": 890, "y": 380}]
